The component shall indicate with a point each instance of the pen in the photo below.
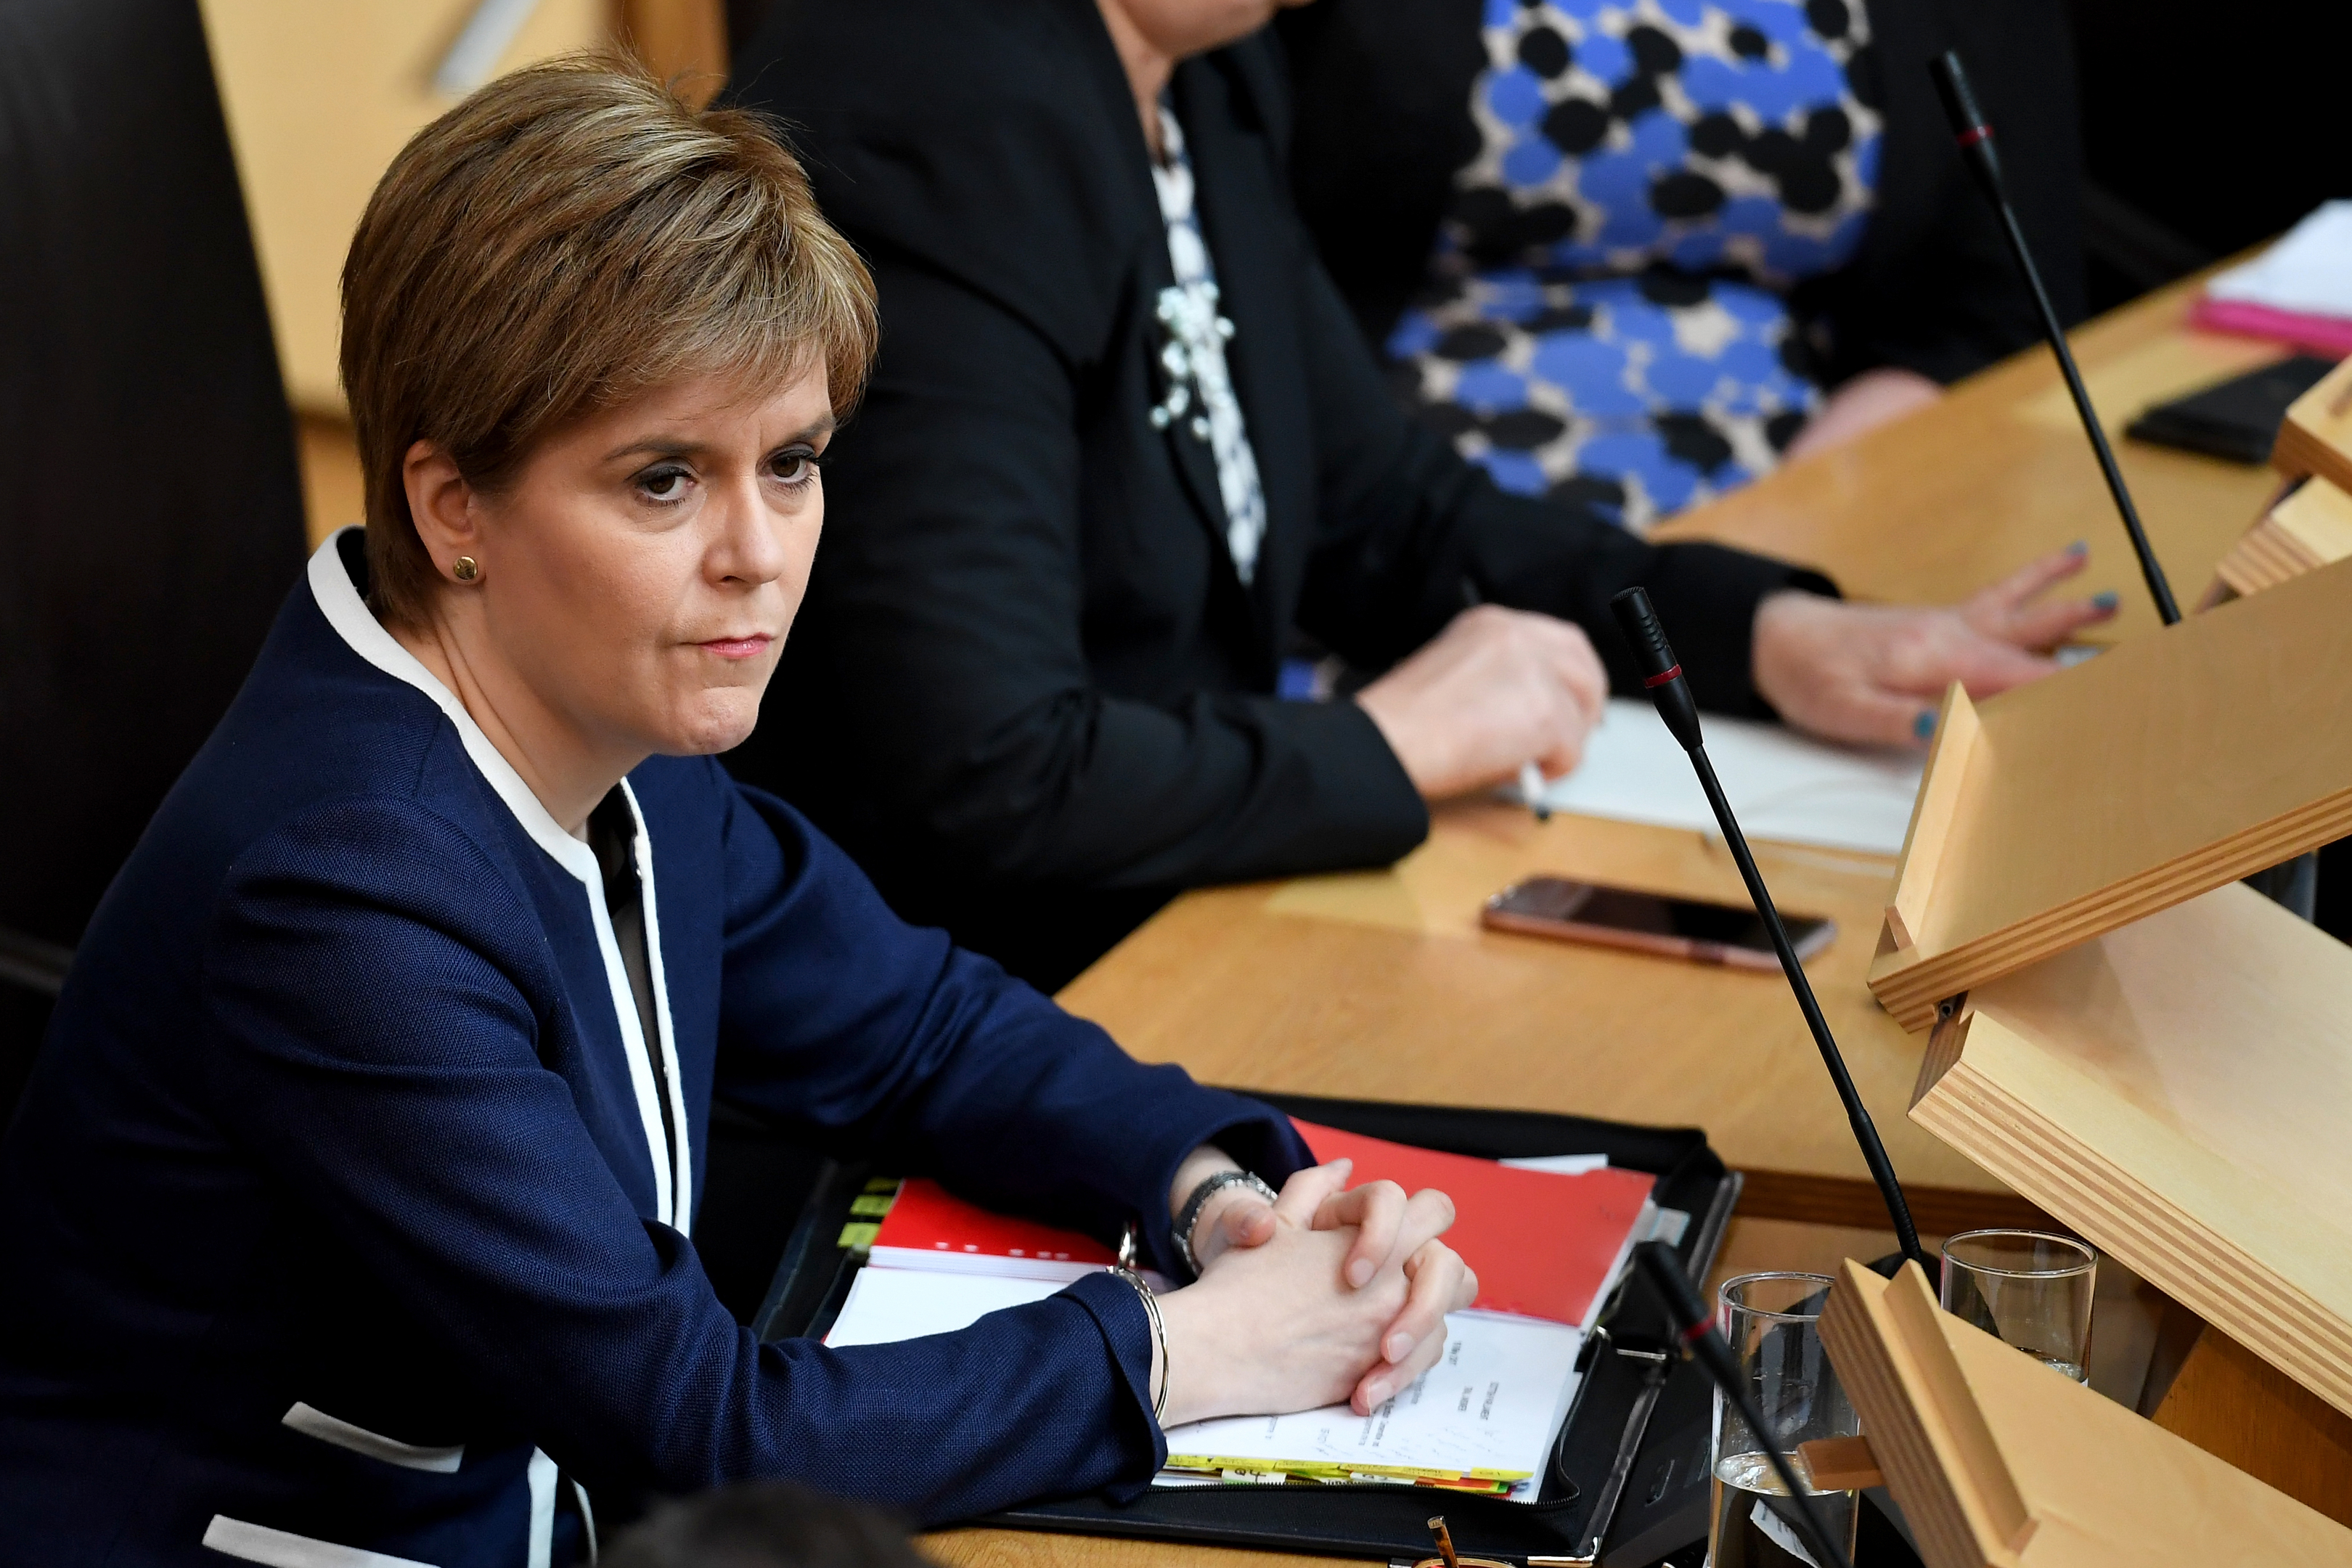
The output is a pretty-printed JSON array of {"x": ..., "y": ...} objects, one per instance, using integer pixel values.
[
  {"x": 1531, "y": 779},
  {"x": 1531, "y": 785}
]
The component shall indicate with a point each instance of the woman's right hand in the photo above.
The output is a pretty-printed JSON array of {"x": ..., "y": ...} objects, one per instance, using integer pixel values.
[
  {"x": 1276, "y": 1328},
  {"x": 1495, "y": 690}
]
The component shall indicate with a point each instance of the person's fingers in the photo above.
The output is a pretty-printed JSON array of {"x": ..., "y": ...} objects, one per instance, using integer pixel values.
[
  {"x": 1568, "y": 695},
  {"x": 1247, "y": 1221},
  {"x": 1899, "y": 709},
  {"x": 1384, "y": 1381},
  {"x": 1428, "y": 1215},
  {"x": 1930, "y": 649},
  {"x": 2013, "y": 591},
  {"x": 2046, "y": 626},
  {"x": 1578, "y": 669},
  {"x": 1872, "y": 716},
  {"x": 1440, "y": 1282},
  {"x": 1559, "y": 758},
  {"x": 1437, "y": 1273},
  {"x": 1304, "y": 1192},
  {"x": 1987, "y": 666},
  {"x": 1377, "y": 1210},
  {"x": 1566, "y": 729},
  {"x": 1416, "y": 1337}
]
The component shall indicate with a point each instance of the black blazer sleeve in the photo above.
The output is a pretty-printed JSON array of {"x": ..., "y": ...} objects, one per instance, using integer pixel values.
[{"x": 953, "y": 605}]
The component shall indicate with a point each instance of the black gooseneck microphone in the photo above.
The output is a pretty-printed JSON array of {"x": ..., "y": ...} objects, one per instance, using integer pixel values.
[
  {"x": 1975, "y": 137},
  {"x": 1700, "y": 1341},
  {"x": 2293, "y": 883},
  {"x": 1663, "y": 677}
]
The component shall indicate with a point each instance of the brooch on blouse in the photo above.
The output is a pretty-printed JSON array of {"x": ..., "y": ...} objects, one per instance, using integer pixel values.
[{"x": 1190, "y": 330}]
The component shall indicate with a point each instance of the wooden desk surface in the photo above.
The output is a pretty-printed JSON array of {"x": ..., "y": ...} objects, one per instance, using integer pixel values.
[{"x": 1381, "y": 985}]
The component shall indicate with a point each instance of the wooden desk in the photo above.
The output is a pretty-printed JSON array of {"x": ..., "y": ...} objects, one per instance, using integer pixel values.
[{"x": 1381, "y": 984}]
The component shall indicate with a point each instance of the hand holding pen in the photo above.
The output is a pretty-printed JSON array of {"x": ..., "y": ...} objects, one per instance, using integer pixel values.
[{"x": 1498, "y": 695}]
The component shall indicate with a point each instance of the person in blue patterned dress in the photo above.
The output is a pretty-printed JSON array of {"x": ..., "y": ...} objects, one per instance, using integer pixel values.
[{"x": 1641, "y": 290}]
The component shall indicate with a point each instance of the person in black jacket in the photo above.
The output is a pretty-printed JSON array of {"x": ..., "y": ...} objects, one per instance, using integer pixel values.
[
  {"x": 1123, "y": 437},
  {"x": 1634, "y": 255}
]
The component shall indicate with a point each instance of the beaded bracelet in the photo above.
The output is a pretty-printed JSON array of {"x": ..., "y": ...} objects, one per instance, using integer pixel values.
[{"x": 1190, "y": 1215}]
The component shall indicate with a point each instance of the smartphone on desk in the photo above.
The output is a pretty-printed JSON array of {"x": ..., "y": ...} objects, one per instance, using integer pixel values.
[{"x": 1650, "y": 922}]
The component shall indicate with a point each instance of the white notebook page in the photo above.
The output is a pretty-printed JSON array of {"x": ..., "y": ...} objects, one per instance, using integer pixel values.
[
  {"x": 1490, "y": 1407},
  {"x": 1784, "y": 787}
]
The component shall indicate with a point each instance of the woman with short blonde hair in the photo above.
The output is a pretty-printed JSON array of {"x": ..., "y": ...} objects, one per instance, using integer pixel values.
[{"x": 349, "y": 1205}]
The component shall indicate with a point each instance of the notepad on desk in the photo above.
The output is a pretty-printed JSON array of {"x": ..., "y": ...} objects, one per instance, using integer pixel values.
[
  {"x": 1786, "y": 788},
  {"x": 1484, "y": 1417}
]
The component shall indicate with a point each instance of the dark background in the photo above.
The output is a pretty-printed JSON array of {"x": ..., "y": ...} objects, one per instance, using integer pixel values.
[{"x": 2202, "y": 132}]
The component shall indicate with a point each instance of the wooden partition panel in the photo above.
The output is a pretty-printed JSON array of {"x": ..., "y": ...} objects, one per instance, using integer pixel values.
[
  {"x": 1999, "y": 1460},
  {"x": 2180, "y": 1092},
  {"x": 2164, "y": 767}
]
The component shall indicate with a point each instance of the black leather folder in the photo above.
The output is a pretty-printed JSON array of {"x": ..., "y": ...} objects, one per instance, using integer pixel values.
[{"x": 1628, "y": 1480}]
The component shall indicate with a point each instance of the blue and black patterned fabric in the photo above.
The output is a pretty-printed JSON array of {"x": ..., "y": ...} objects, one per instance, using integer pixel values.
[{"x": 1608, "y": 316}]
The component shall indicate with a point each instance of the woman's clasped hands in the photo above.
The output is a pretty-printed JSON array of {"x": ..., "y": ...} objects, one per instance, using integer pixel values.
[{"x": 1333, "y": 1293}]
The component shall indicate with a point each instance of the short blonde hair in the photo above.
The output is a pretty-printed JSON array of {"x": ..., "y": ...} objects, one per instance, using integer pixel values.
[{"x": 569, "y": 236}]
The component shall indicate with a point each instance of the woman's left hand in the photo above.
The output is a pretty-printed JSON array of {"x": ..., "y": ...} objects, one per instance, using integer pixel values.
[
  {"x": 1391, "y": 1231},
  {"x": 1237, "y": 1216},
  {"x": 1394, "y": 1229},
  {"x": 1233, "y": 1217},
  {"x": 1876, "y": 674}
]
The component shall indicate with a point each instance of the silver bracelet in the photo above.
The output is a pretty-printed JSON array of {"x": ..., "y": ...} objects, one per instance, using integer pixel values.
[
  {"x": 1190, "y": 1214},
  {"x": 1159, "y": 1331}
]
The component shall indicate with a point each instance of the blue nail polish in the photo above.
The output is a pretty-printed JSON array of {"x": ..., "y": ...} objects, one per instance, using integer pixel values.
[
  {"x": 1925, "y": 725},
  {"x": 2107, "y": 600},
  {"x": 2080, "y": 547}
]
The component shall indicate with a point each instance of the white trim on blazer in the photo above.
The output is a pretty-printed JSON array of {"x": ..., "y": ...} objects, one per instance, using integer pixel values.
[
  {"x": 347, "y": 613},
  {"x": 282, "y": 1548},
  {"x": 312, "y": 1422}
]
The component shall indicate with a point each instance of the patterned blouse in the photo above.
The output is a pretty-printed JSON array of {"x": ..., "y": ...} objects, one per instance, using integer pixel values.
[
  {"x": 1201, "y": 397},
  {"x": 1607, "y": 320}
]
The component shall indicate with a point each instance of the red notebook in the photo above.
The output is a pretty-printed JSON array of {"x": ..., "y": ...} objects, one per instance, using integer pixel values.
[
  {"x": 1543, "y": 1246},
  {"x": 931, "y": 1228}
]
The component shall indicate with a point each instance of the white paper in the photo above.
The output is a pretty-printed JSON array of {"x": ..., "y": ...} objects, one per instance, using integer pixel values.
[
  {"x": 1784, "y": 787},
  {"x": 891, "y": 1304},
  {"x": 1559, "y": 1164},
  {"x": 2308, "y": 270},
  {"x": 1492, "y": 1405}
]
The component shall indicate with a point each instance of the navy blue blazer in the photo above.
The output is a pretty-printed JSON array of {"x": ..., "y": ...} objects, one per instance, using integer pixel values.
[{"x": 340, "y": 1219}]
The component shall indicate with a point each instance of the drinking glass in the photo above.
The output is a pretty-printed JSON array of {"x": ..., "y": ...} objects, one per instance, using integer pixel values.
[
  {"x": 1772, "y": 1322},
  {"x": 2027, "y": 1289}
]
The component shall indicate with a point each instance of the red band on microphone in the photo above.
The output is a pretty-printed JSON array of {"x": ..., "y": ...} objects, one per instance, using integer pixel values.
[
  {"x": 1974, "y": 135},
  {"x": 1662, "y": 679},
  {"x": 1696, "y": 1332}
]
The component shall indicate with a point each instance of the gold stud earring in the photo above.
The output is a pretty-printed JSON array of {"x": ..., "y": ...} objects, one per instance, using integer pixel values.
[{"x": 465, "y": 568}]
